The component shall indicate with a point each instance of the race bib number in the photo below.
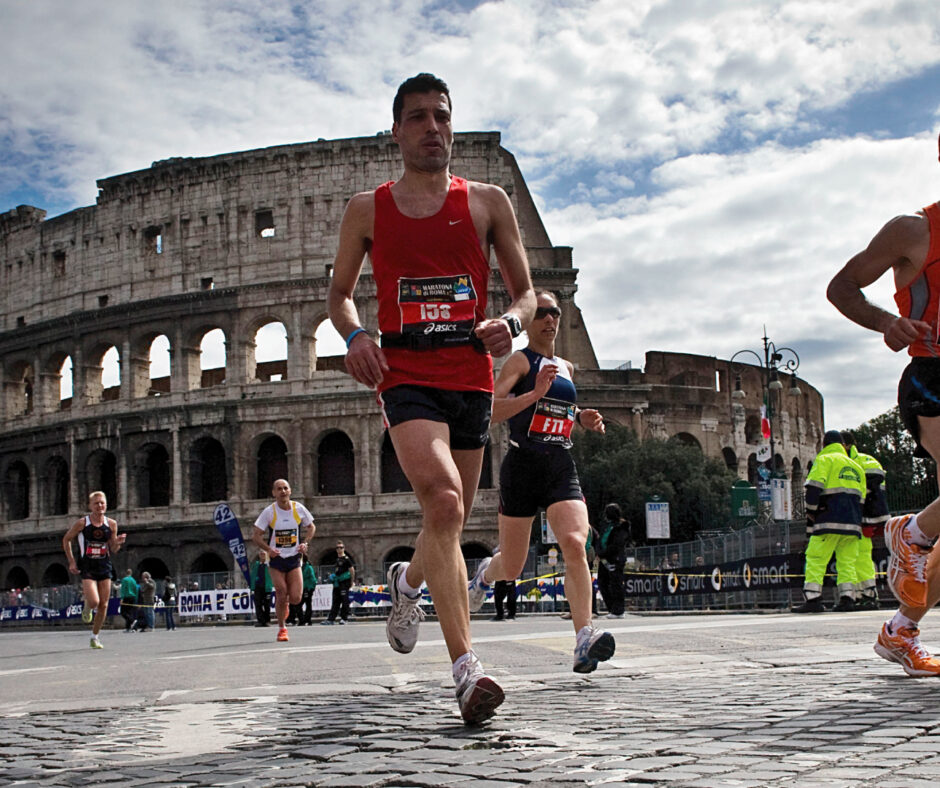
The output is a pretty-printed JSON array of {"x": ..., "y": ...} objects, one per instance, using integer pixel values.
[
  {"x": 96, "y": 550},
  {"x": 442, "y": 306},
  {"x": 552, "y": 421},
  {"x": 285, "y": 538}
]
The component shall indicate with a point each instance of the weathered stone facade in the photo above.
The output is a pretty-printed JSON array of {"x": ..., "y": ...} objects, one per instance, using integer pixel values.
[{"x": 235, "y": 242}]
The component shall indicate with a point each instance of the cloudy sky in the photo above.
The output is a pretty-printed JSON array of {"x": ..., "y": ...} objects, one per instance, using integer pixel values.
[{"x": 712, "y": 162}]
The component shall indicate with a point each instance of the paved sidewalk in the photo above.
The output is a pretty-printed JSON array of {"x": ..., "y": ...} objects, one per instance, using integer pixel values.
[{"x": 835, "y": 715}]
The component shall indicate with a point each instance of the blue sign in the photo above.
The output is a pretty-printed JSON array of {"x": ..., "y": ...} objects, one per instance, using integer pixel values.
[{"x": 231, "y": 534}]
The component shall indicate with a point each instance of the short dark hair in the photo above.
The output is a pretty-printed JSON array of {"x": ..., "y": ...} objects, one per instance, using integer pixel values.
[
  {"x": 848, "y": 437},
  {"x": 419, "y": 83},
  {"x": 612, "y": 512}
]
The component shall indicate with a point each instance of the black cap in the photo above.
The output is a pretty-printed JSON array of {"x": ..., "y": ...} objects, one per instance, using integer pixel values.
[{"x": 832, "y": 436}]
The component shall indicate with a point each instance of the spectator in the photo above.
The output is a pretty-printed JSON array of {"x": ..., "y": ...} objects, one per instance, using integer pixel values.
[
  {"x": 148, "y": 597},
  {"x": 169, "y": 603},
  {"x": 343, "y": 577},
  {"x": 129, "y": 599},
  {"x": 613, "y": 535},
  {"x": 505, "y": 591},
  {"x": 310, "y": 585},
  {"x": 262, "y": 586}
]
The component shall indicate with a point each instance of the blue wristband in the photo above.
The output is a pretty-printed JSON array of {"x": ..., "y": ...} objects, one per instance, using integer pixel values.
[{"x": 352, "y": 336}]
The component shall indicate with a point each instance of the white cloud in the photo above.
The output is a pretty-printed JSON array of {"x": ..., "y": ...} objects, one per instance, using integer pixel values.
[{"x": 675, "y": 144}]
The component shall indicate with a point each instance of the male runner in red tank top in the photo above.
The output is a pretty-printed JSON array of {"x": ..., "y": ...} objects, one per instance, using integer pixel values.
[
  {"x": 428, "y": 236},
  {"x": 910, "y": 246}
]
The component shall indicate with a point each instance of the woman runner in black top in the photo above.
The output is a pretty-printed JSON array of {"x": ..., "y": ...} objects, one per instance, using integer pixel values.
[
  {"x": 535, "y": 392},
  {"x": 98, "y": 540}
]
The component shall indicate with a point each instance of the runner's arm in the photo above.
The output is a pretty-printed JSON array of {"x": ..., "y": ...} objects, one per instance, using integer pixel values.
[
  {"x": 365, "y": 360},
  {"x": 257, "y": 539},
  {"x": 74, "y": 531},
  {"x": 117, "y": 540},
  {"x": 896, "y": 246},
  {"x": 506, "y": 241},
  {"x": 515, "y": 368}
]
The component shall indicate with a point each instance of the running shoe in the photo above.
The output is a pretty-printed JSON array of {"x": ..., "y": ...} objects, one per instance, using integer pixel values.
[
  {"x": 592, "y": 646},
  {"x": 477, "y": 588},
  {"x": 95, "y": 643},
  {"x": 907, "y": 563},
  {"x": 904, "y": 648},
  {"x": 282, "y": 635},
  {"x": 88, "y": 613},
  {"x": 401, "y": 628},
  {"x": 478, "y": 695}
]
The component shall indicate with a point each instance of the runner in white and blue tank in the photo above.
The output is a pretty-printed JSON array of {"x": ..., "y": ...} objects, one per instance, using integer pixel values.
[{"x": 535, "y": 392}]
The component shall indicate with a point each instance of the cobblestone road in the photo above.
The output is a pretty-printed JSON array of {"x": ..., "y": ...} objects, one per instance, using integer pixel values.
[{"x": 803, "y": 717}]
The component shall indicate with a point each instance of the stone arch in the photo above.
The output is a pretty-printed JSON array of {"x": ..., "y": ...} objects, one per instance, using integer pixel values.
[
  {"x": 270, "y": 464},
  {"x": 19, "y": 389},
  {"x": 56, "y": 574},
  {"x": 400, "y": 553},
  {"x": 152, "y": 468},
  {"x": 474, "y": 551},
  {"x": 206, "y": 566},
  {"x": 688, "y": 439},
  {"x": 213, "y": 357},
  {"x": 326, "y": 344},
  {"x": 157, "y": 568},
  {"x": 101, "y": 474},
  {"x": 393, "y": 477},
  {"x": 55, "y": 486},
  {"x": 752, "y": 464},
  {"x": 93, "y": 374},
  {"x": 336, "y": 465},
  {"x": 752, "y": 430},
  {"x": 150, "y": 371},
  {"x": 779, "y": 465},
  {"x": 16, "y": 483},
  {"x": 56, "y": 382},
  {"x": 17, "y": 577},
  {"x": 208, "y": 471},
  {"x": 328, "y": 558},
  {"x": 269, "y": 350},
  {"x": 730, "y": 458}
]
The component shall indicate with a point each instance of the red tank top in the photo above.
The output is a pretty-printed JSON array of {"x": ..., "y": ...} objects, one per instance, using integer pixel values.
[
  {"x": 431, "y": 276},
  {"x": 920, "y": 300}
]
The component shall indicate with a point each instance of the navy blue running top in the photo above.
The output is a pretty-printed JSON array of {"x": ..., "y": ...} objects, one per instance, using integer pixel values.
[{"x": 548, "y": 422}]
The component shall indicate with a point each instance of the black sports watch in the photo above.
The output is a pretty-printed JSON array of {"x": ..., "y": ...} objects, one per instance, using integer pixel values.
[{"x": 515, "y": 325}]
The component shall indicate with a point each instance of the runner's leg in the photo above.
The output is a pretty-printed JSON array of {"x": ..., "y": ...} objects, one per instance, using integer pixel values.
[
  {"x": 423, "y": 449},
  {"x": 569, "y": 521},
  {"x": 282, "y": 600},
  {"x": 103, "y": 593}
]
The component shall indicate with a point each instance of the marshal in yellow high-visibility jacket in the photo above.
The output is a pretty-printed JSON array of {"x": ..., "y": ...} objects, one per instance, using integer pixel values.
[{"x": 835, "y": 492}]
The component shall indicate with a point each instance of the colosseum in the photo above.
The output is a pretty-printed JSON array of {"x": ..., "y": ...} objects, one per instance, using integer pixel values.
[{"x": 197, "y": 251}]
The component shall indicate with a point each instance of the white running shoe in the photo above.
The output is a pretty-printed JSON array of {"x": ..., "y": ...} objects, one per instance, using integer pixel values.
[
  {"x": 592, "y": 646},
  {"x": 95, "y": 643},
  {"x": 477, "y": 588},
  {"x": 478, "y": 695},
  {"x": 406, "y": 614},
  {"x": 88, "y": 613}
]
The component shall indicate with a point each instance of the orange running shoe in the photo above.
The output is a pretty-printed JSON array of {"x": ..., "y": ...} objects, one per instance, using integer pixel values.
[
  {"x": 906, "y": 566},
  {"x": 282, "y": 635},
  {"x": 904, "y": 648}
]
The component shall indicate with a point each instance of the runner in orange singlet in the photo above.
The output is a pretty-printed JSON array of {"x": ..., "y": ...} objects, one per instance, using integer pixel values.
[{"x": 910, "y": 247}]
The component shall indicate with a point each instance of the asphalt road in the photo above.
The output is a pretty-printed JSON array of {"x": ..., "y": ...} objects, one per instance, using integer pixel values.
[{"x": 749, "y": 699}]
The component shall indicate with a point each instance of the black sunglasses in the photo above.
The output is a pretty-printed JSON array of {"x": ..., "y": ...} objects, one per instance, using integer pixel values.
[{"x": 542, "y": 311}]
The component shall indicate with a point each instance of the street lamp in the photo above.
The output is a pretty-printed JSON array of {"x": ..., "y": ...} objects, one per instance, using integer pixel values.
[{"x": 776, "y": 362}]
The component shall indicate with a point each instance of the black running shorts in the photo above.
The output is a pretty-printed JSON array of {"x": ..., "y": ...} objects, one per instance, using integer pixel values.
[
  {"x": 529, "y": 480},
  {"x": 467, "y": 413},
  {"x": 286, "y": 564},
  {"x": 919, "y": 395},
  {"x": 96, "y": 569}
]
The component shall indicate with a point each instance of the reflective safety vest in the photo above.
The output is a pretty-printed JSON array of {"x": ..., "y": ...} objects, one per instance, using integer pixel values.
[
  {"x": 835, "y": 490},
  {"x": 875, "y": 508}
]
